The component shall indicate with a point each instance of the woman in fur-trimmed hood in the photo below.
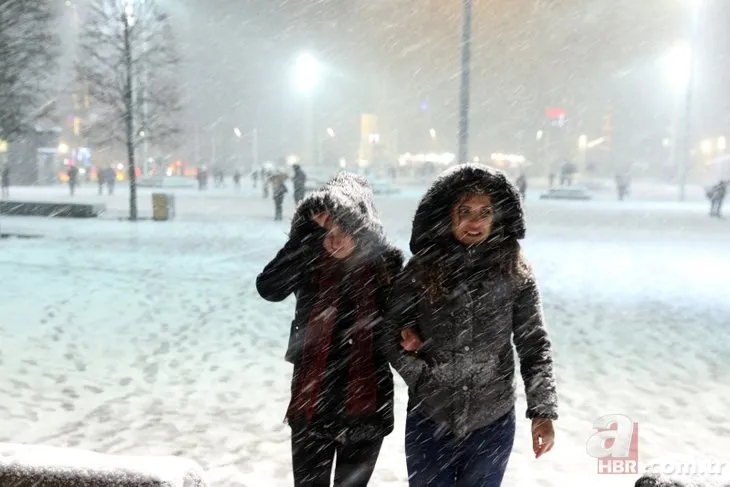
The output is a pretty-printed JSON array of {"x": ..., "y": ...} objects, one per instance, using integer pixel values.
[
  {"x": 464, "y": 298},
  {"x": 340, "y": 266}
]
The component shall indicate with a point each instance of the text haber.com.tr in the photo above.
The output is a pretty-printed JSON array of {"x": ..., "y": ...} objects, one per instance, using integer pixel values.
[{"x": 615, "y": 444}]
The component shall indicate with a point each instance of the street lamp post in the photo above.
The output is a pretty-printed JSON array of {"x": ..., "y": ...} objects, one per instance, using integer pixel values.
[
  {"x": 679, "y": 73},
  {"x": 686, "y": 157},
  {"x": 464, "y": 93},
  {"x": 306, "y": 77}
]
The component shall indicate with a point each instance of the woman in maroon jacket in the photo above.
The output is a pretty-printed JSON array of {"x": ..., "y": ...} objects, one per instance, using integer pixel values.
[{"x": 340, "y": 267}]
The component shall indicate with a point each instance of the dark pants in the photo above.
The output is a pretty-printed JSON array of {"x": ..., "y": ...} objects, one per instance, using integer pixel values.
[
  {"x": 278, "y": 202},
  {"x": 313, "y": 456},
  {"x": 437, "y": 458},
  {"x": 716, "y": 206}
]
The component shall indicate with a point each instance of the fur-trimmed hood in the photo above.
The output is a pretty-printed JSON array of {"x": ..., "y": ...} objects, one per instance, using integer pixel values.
[
  {"x": 348, "y": 198},
  {"x": 432, "y": 223}
]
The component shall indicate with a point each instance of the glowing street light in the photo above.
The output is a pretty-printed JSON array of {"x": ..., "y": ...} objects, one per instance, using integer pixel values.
[
  {"x": 583, "y": 142},
  {"x": 331, "y": 132},
  {"x": 538, "y": 137},
  {"x": 583, "y": 146},
  {"x": 678, "y": 66},
  {"x": 706, "y": 147},
  {"x": 721, "y": 144},
  {"x": 63, "y": 148},
  {"x": 237, "y": 132},
  {"x": 306, "y": 72},
  {"x": 433, "y": 133}
]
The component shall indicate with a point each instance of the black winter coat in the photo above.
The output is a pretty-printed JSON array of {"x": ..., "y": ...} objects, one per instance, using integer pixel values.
[
  {"x": 294, "y": 270},
  {"x": 486, "y": 300}
]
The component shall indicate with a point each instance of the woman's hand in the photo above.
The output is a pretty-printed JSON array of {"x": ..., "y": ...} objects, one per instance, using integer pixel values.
[
  {"x": 410, "y": 340},
  {"x": 321, "y": 219},
  {"x": 337, "y": 243},
  {"x": 543, "y": 436}
]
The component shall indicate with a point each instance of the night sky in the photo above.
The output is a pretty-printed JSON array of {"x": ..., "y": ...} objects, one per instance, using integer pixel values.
[{"x": 397, "y": 57}]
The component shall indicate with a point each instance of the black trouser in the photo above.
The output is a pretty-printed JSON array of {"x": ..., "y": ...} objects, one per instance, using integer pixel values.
[
  {"x": 313, "y": 456},
  {"x": 716, "y": 206},
  {"x": 278, "y": 202}
]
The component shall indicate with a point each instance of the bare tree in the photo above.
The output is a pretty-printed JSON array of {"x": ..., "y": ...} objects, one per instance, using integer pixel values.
[
  {"x": 28, "y": 61},
  {"x": 129, "y": 64}
]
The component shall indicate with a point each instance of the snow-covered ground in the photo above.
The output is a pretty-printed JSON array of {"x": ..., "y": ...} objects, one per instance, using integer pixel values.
[{"x": 150, "y": 338}]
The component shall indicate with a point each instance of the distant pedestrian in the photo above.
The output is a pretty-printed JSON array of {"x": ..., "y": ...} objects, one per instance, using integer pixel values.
[
  {"x": 717, "y": 197},
  {"x": 73, "y": 179},
  {"x": 237, "y": 179},
  {"x": 521, "y": 183},
  {"x": 5, "y": 183},
  {"x": 100, "y": 179},
  {"x": 279, "y": 190},
  {"x": 567, "y": 171},
  {"x": 265, "y": 181},
  {"x": 202, "y": 178},
  {"x": 623, "y": 182},
  {"x": 110, "y": 177},
  {"x": 299, "y": 182}
]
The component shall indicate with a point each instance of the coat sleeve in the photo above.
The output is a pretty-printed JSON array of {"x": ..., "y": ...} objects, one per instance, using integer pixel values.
[
  {"x": 403, "y": 309},
  {"x": 288, "y": 269},
  {"x": 535, "y": 352}
]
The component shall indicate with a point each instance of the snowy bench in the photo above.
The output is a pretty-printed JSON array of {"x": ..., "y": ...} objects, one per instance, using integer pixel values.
[
  {"x": 573, "y": 193},
  {"x": 167, "y": 182},
  {"x": 50, "y": 209},
  {"x": 657, "y": 480},
  {"x": 43, "y": 466}
]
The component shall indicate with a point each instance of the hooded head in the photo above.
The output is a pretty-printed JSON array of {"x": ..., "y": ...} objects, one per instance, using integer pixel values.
[
  {"x": 432, "y": 225},
  {"x": 348, "y": 199}
]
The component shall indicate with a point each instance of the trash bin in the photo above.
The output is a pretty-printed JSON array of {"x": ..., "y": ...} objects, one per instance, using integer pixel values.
[{"x": 163, "y": 206}]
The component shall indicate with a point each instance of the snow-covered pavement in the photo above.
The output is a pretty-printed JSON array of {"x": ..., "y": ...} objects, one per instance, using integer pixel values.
[{"x": 150, "y": 337}]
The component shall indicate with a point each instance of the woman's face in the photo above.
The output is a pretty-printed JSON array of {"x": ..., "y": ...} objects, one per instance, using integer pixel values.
[
  {"x": 471, "y": 219},
  {"x": 338, "y": 244}
]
